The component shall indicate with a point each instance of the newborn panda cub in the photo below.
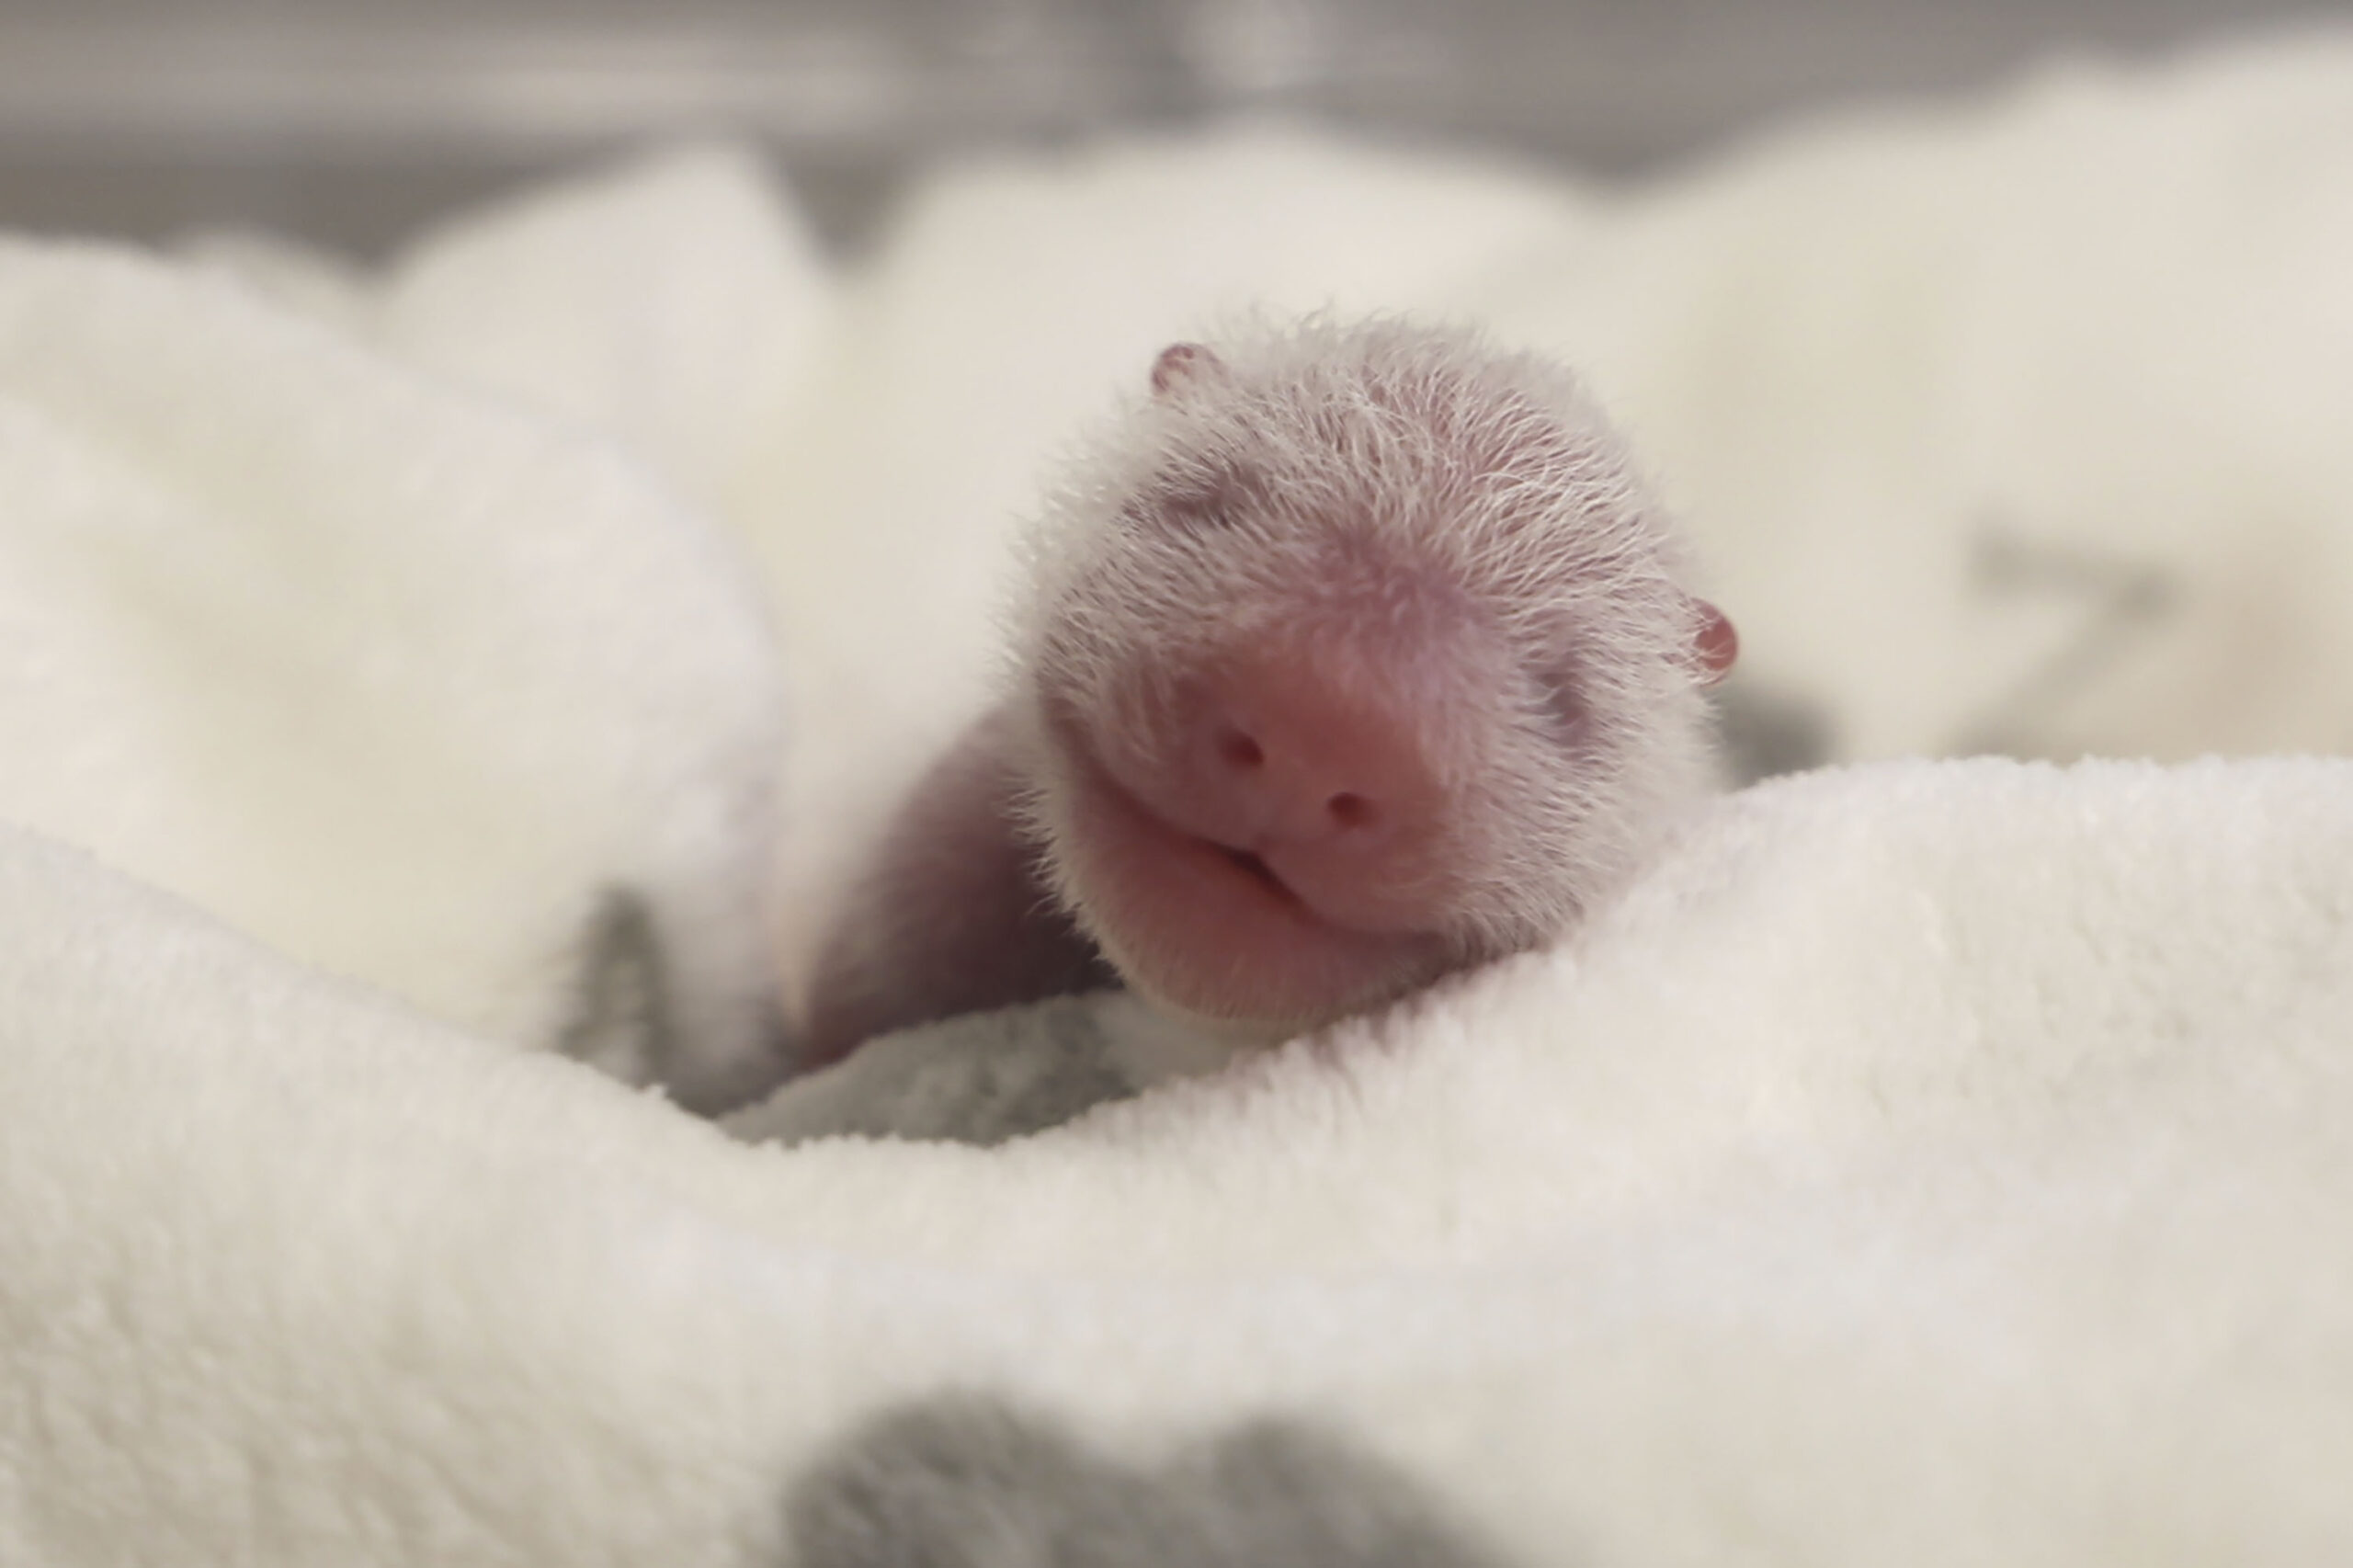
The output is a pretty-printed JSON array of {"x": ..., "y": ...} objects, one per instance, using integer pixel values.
[{"x": 1355, "y": 654}]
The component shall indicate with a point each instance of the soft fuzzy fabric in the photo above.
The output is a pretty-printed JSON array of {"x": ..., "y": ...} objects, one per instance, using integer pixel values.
[
  {"x": 410, "y": 687},
  {"x": 1926, "y": 1163},
  {"x": 1929, "y": 1162}
]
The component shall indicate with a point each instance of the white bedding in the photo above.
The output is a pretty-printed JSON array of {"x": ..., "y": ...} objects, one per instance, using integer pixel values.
[{"x": 1928, "y": 1163}]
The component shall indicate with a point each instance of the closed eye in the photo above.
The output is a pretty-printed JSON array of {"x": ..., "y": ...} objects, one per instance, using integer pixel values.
[
  {"x": 1202, "y": 498},
  {"x": 1565, "y": 714},
  {"x": 1203, "y": 510}
]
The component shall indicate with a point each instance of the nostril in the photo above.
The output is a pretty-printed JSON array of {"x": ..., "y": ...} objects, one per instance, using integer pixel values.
[
  {"x": 1349, "y": 810},
  {"x": 1238, "y": 749}
]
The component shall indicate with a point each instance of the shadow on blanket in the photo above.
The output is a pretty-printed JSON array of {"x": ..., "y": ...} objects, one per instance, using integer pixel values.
[{"x": 970, "y": 1480}]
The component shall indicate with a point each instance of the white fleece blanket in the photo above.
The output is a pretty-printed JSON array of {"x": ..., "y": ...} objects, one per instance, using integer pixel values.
[{"x": 1928, "y": 1163}]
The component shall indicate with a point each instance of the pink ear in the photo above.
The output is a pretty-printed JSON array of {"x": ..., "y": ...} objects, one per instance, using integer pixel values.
[
  {"x": 1717, "y": 644},
  {"x": 1180, "y": 362}
]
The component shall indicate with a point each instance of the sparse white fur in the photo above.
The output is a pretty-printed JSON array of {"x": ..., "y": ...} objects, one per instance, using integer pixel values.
[{"x": 1487, "y": 480}]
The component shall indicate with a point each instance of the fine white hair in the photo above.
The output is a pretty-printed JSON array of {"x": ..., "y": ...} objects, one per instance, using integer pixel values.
[{"x": 1370, "y": 478}]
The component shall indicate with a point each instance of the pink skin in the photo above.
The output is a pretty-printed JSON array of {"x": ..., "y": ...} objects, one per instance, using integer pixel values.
[
  {"x": 1285, "y": 834},
  {"x": 1280, "y": 826},
  {"x": 954, "y": 917},
  {"x": 1289, "y": 851}
]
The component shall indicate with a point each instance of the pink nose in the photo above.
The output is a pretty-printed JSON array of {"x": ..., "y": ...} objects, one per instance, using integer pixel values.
[
  {"x": 1268, "y": 770},
  {"x": 1331, "y": 784}
]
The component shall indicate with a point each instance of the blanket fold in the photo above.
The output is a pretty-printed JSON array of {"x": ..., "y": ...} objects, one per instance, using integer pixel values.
[
  {"x": 404, "y": 684},
  {"x": 1990, "y": 1205}
]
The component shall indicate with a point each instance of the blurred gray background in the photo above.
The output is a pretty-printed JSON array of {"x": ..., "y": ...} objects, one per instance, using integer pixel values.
[{"x": 349, "y": 121}]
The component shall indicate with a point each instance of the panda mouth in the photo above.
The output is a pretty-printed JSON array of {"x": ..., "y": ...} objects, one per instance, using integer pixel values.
[
  {"x": 1215, "y": 932},
  {"x": 1256, "y": 868}
]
